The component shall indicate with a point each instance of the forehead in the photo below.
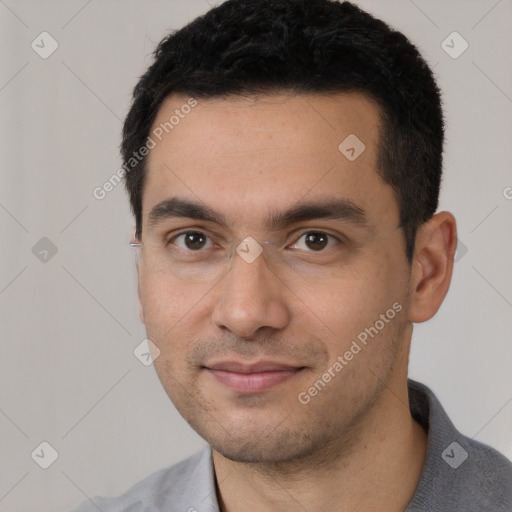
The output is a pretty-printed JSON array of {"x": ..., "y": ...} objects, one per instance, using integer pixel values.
[{"x": 249, "y": 154}]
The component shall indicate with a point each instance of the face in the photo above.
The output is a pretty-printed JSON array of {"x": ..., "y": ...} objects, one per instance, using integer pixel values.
[{"x": 256, "y": 358}]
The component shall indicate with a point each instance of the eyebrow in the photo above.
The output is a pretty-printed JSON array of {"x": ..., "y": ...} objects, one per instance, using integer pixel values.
[{"x": 330, "y": 208}]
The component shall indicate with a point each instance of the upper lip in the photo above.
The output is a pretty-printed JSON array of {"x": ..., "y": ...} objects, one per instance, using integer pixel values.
[{"x": 255, "y": 367}]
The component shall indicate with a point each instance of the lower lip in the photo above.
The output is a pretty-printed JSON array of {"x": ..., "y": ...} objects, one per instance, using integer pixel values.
[{"x": 252, "y": 382}]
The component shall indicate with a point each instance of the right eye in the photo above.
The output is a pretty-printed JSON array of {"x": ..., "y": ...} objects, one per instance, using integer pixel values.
[{"x": 192, "y": 241}]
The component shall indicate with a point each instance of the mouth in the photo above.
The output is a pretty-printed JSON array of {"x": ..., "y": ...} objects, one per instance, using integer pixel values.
[{"x": 250, "y": 378}]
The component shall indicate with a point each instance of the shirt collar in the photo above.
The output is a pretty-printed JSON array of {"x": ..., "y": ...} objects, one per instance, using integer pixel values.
[{"x": 199, "y": 492}]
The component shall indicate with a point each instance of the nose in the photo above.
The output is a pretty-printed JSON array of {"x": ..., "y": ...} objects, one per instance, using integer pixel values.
[{"x": 251, "y": 296}]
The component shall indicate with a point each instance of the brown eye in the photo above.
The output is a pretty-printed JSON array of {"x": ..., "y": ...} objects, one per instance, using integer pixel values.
[
  {"x": 192, "y": 240},
  {"x": 316, "y": 241}
]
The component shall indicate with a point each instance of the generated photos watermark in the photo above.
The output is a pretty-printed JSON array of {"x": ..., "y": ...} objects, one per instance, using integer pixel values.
[
  {"x": 156, "y": 136},
  {"x": 355, "y": 348}
]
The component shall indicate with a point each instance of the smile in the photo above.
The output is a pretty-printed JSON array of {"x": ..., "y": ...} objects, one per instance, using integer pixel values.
[{"x": 252, "y": 378}]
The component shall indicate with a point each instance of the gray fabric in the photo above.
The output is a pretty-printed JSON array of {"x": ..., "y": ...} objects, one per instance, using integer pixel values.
[
  {"x": 482, "y": 482},
  {"x": 450, "y": 481}
]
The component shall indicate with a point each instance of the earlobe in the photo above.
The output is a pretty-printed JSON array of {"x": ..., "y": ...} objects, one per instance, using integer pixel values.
[{"x": 436, "y": 243}]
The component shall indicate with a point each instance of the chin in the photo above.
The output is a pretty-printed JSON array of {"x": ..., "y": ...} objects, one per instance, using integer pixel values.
[
  {"x": 268, "y": 444},
  {"x": 254, "y": 452}
]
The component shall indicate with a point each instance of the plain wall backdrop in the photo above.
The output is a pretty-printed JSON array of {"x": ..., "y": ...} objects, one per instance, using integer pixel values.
[{"x": 69, "y": 323}]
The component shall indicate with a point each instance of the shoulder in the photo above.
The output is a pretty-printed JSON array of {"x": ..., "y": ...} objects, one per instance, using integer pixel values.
[
  {"x": 180, "y": 483},
  {"x": 459, "y": 474},
  {"x": 469, "y": 477},
  {"x": 485, "y": 477}
]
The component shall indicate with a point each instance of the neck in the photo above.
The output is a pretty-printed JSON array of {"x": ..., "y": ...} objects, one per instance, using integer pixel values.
[{"x": 378, "y": 469}]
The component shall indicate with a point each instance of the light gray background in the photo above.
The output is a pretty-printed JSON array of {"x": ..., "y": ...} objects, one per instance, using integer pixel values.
[{"x": 69, "y": 326}]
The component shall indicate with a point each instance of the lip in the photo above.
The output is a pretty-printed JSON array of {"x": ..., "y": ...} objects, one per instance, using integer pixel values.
[{"x": 251, "y": 378}]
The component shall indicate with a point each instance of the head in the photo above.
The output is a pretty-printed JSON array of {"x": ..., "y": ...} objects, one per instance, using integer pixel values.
[{"x": 315, "y": 128}]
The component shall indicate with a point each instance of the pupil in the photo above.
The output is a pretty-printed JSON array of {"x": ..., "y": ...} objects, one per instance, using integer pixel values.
[
  {"x": 318, "y": 240},
  {"x": 194, "y": 240}
]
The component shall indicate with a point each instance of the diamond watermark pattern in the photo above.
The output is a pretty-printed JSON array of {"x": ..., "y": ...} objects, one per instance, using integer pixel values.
[
  {"x": 454, "y": 455},
  {"x": 44, "y": 250},
  {"x": 351, "y": 147},
  {"x": 461, "y": 251},
  {"x": 249, "y": 249},
  {"x": 146, "y": 352},
  {"x": 44, "y": 45},
  {"x": 44, "y": 455},
  {"x": 454, "y": 45}
]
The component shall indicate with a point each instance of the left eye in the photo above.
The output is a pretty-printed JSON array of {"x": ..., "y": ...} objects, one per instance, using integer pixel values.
[{"x": 315, "y": 241}]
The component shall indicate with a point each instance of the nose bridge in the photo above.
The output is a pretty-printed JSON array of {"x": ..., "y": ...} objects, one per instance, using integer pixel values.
[
  {"x": 255, "y": 263},
  {"x": 251, "y": 293}
]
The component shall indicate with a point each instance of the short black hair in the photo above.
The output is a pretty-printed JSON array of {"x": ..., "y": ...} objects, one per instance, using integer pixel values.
[{"x": 246, "y": 47}]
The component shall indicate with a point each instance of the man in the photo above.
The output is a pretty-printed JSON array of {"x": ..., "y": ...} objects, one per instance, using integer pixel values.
[{"x": 283, "y": 160}]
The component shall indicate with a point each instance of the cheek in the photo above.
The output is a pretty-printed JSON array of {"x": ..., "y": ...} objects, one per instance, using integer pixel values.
[
  {"x": 346, "y": 305},
  {"x": 165, "y": 304},
  {"x": 168, "y": 311}
]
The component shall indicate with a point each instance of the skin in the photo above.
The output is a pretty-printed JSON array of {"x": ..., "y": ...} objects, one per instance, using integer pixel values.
[{"x": 354, "y": 446}]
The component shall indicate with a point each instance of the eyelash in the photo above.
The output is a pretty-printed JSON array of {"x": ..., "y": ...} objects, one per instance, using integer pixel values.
[{"x": 329, "y": 235}]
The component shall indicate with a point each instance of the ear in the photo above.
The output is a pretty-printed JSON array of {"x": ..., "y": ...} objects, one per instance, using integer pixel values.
[{"x": 432, "y": 266}]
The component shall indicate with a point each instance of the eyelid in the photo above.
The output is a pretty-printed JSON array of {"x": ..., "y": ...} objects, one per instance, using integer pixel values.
[
  {"x": 303, "y": 232},
  {"x": 170, "y": 237},
  {"x": 297, "y": 234}
]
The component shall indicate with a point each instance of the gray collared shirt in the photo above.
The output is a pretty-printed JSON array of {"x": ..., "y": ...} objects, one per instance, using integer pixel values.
[{"x": 459, "y": 474}]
